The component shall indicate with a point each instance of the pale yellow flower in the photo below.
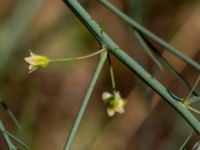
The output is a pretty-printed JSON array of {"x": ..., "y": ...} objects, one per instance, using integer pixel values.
[
  {"x": 36, "y": 61},
  {"x": 114, "y": 102}
]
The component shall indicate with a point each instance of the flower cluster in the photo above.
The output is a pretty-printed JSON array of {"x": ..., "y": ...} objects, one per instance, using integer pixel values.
[{"x": 114, "y": 102}]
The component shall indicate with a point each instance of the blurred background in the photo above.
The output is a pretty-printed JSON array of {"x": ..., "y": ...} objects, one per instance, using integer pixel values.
[{"x": 46, "y": 101}]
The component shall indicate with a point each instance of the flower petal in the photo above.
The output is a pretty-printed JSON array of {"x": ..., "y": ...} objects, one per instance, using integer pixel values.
[
  {"x": 120, "y": 110},
  {"x": 32, "y": 54},
  {"x": 29, "y": 60},
  {"x": 111, "y": 112},
  {"x": 32, "y": 68},
  {"x": 106, "y": 96}
]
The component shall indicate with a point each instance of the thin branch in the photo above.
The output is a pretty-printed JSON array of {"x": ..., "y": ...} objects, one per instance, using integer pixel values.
[
  {"x": 85, "y": 101},
  {"x": 148, "y": 50},
  {"x": 10, "y": 113},
  {"x": 151, "y": 35},
  {"x": 193, "y": 88},
  {"x": 111, "y": 73},
  {"x": 167, "y": 65},
  {"x": 193, "y": 109},
  {"x": 193, "y": 100},
  {"x": 6, "y": 138},
  {"x": 78, "y": 58},
  {"x": 185, "y": 141},
  {"x": 14, "y": 138}
]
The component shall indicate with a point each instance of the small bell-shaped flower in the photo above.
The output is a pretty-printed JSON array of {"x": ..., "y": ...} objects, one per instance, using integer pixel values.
[
  {"x": 114, "y": 102},
  {"x": 36, "y": 62}
]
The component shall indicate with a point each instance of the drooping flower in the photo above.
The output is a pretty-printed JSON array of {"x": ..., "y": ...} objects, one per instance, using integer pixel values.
[
  {"x": 114, "y": 102},
  {"x": 36, "y": 62}
]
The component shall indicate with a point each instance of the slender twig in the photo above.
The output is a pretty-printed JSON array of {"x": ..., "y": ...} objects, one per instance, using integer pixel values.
[
  {"x": 14, "y": 138},
  {"x": 10, "y": 113},
  {"x": 193, "y": 88},
  {"x": 114, "y": 49},
  {"x": 78, "y": 58},
  {"x": 111, "y": 73},
  {"x": 185, "y": 141},
  {"x": 196, "y": 146},
  {"x": 148, "y": 50},
  {"x": 157, "y": 39},
  {"x": 193, "y": 100},
  {"x": 193, "y": 109},
  {"x": 6, "y": 138},
  {"x": 85, "y": 101},
  {"x": 167, "y": 65}
]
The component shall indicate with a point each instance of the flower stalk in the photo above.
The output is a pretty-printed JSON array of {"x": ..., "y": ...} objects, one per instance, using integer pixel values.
[
  {"x": 77, "y": 58},
  {"x": 111, "y": 73},
  {"x": 39, "y": 61}
]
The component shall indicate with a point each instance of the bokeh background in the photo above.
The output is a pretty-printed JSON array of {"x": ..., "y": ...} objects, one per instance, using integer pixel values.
[{"x": 46, "y": 101}]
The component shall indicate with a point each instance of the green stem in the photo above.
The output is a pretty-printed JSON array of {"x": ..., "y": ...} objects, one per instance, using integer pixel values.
[
  {"x": 193, "y": 88},
  {"x": 185, "y": 141},
  {"x": 10, "y": 113},
  {"x": 157, "y": 39},
  {"x": 193, "y": 100},
  {"x": 111, "y": 73},
  {"x": 14, "y": 138},
  {"x": 193, "y": 109},
  {"x": 166, "y": 64},
  {"x": 6, "y": 138},
  {"x": 130, "y": 63},
  {"x": 85, "y": 101},
  {"x": 78, "y": 58},
  {"x": 148, "y": 50},
  {"x": 197, "y": 147}
]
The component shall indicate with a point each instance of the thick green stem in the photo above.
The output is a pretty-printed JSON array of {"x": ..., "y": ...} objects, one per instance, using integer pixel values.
[
  {"x": 113, "y": 48},
  {"x": 85, "y": 101},
  {"x": 157, "y": 39}
]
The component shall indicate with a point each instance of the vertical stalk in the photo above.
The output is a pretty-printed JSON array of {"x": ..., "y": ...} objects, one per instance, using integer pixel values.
[
  {"x": 111, "y": 73},
  {"x": 85, "y": 101}
]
